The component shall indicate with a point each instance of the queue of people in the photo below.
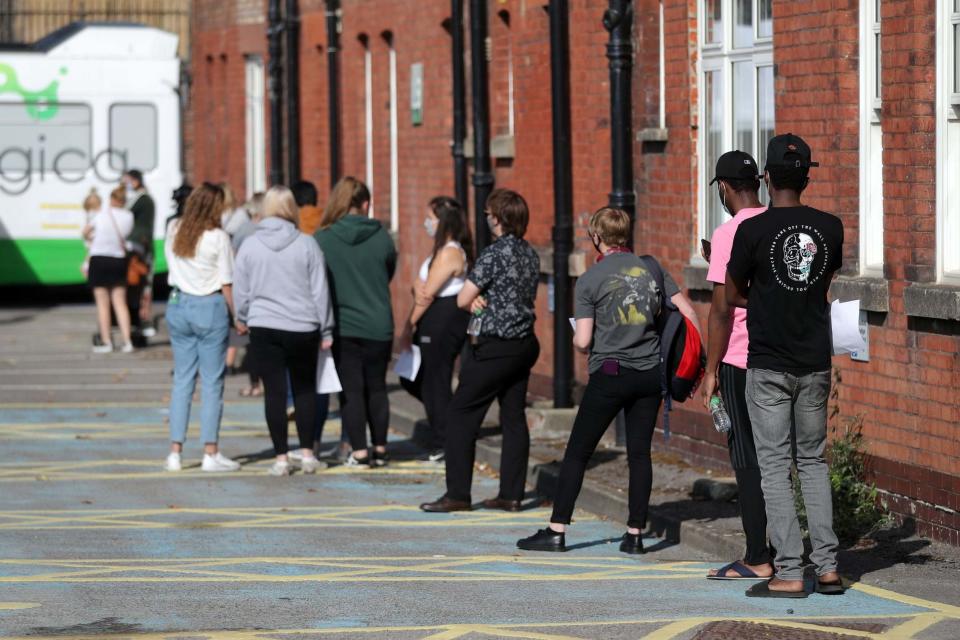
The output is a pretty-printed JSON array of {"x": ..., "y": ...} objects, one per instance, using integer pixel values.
[{"x": 306, "y": 285}]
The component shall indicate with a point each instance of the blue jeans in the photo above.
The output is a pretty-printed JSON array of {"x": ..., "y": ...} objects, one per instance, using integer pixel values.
[{"x": 199, "y": 328}]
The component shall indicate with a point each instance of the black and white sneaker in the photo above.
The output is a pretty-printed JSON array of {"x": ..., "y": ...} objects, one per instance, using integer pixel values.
[{"x": 437, "y": 455}]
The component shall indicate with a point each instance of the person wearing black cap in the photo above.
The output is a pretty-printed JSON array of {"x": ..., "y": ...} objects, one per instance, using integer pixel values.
[
  {"x": 738, "y": 188},
  {"x": 780, "y": 269}
]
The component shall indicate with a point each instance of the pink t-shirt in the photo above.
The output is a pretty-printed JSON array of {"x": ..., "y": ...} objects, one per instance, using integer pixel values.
[{"x": 720, "y": 246}]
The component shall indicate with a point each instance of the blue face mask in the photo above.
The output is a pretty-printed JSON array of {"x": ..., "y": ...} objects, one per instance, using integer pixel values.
[{"x": 430, "y": 224}]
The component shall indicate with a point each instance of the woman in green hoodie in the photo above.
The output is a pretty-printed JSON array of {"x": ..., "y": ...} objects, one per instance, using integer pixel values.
[{"x": 361, "y": 258}]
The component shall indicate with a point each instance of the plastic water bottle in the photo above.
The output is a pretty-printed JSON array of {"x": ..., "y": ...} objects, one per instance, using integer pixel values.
[
  {"x": 476, "y": 322},
  {"x": 721, "y": 421}
]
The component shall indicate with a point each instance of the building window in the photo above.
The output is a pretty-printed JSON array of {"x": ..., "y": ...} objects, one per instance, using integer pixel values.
[
  {"x": 368, "y": 116},
  {"x": 871, "y": 142},
  {"x": 133, "y": 137},
  {"x": 736, "y": 89},
  {"x": 255, "y": 126},
  {"x": 394, "y": 131},
  {"x": 948, "y": 141}
]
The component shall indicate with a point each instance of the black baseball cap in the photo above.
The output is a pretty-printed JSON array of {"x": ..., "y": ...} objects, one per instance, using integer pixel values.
[
  {"x": 735, "y": 165},
  {"x": 788, "y": 150}
]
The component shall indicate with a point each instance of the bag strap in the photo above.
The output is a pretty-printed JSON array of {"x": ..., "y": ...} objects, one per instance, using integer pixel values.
[
  {"x": 654, "y": 267},
  {"x": 113, "y": 221}
]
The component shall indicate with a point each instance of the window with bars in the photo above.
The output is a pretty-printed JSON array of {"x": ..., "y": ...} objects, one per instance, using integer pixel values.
[{"x": 736, "y": 90}]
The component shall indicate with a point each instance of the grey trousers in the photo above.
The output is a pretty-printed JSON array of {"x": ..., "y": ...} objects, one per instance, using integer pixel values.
[{"x": 789, "y": 413}]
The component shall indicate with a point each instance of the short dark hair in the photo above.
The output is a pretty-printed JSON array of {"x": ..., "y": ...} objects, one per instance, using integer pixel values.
[
  {"x": 741, "y": 185},
  {"x": 136, "y": 174},
  {"x": 789, "y": 178},
  {"x": 305, "y": 193},
  {"x": 511, "y": 210}
]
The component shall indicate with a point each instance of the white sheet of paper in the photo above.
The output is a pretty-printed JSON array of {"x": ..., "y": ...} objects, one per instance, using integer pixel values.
[
  {"x": 573, "y": 323},
  {"x": 845, "y": 326},
  {"x": 327, "y": 379},
  {"x": 408, "y": 363}
]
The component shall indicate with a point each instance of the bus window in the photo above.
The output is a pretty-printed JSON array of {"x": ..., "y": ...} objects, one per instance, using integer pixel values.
[
  {"x": 133, "y": 133},
  {"x": 60, "y": 142}
]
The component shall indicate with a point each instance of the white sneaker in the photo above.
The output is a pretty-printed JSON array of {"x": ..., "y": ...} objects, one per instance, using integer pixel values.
[
  {"x": 279, "y": 468},
  {"x": 127, "y": 348},
  {"x": 172, "y": 463},
  {"x": 218, "y": 462},
  {"x": 356, "y": 462},
  {"x": 148, "y": 332},
  {"x": 295, "y": 455},
  {"x": 312, "y": 465},
  {"x": 103, "y": 348}
]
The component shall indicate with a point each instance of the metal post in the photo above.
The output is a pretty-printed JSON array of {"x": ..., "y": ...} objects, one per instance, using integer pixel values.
[
  {"x": 293, "y": 90},
  {"x": 618, "y": 20},
  {"x": 482, "y": 170},
  {"x": 459, "y": 104},
  {"x": 333, "y": 89},
  {"x": 275, "y": 90},
  {"x": 562, "y": 201}
]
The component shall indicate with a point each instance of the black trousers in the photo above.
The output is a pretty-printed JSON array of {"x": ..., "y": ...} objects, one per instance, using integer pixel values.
[
  {"x": 362, "y": 367},
  {"x": 743, "y": 458},
  {"x": 441, "y": 333},
  {"x": 493, "y": 369},
  {"x": 637, "y": 393},
  {"x": 277, "y": 352}
]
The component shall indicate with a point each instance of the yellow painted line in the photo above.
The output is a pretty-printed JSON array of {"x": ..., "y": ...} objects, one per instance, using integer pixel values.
[
  {"x": 17, "y": 606},
  {"x": 674, "y": 629},
  {"x": 946, "y": 609},
  {"x": 61, "y": 206},
  {"x": 911, "y": 628},
  {"x": 51, "y": 226}
]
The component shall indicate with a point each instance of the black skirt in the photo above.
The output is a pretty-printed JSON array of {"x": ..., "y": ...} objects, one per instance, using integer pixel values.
[{"x": 108, "y": 272}]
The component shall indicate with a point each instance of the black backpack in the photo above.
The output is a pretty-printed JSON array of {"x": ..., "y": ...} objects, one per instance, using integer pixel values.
[{"x": 682, "y": 356}]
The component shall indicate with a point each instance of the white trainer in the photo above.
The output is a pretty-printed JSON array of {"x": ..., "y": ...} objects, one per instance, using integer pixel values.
[
  {"x": 148, "y": 332},
  {"x": 127, "y": 348},
  {"x": 172, "y": 463},
  {"x": 295, "y": 456},
  {"x": 312, "y": 465},
  {"x": 103, "y": 348},
  {"x": 280, "y": 468},
  {"x": 218, "y": 462}
]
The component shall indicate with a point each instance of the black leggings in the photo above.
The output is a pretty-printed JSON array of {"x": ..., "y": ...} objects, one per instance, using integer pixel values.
[
  {"x": 743, "y": 458},
  {"x": 441, "y": 333},
  {"x": 277, "y": 352},
  {"x": 362, "y": 367},
  {"x": 637, "y": 393}
]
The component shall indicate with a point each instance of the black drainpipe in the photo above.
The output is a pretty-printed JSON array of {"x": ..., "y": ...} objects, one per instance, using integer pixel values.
[
  {"x": 562, "y": 202},
  {"x": 333, "y": 86},
  {"x": 293, "y": 91},
  {"x": 459, "y": 105},
  {"x": 482, "y": 170},
  {"x": 275, "y": 90}
]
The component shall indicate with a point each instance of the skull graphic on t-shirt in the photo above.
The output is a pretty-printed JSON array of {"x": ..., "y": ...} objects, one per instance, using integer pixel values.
[{"x": 799, "y": 250}]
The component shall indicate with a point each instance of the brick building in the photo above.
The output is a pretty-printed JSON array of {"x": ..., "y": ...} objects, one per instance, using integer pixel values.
[{"x": 872, "y": 85}]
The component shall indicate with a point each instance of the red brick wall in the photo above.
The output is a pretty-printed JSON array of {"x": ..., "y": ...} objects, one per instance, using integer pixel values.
[{"x": 905, "y": 394}]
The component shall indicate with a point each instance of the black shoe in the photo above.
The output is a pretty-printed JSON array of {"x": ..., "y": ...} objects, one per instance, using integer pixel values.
[
  {"x": 446, "y": 505},
  {"x": 632, "y": 544},
  {"x": 544, "y": 540},
  {"x": 437, "y": 455},
  {"x": 502, "y": 504},
  {"x": 378, "y": 458}
]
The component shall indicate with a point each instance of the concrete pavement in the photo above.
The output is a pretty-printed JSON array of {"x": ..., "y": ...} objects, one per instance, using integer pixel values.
[{"x": 97, "y": 541}]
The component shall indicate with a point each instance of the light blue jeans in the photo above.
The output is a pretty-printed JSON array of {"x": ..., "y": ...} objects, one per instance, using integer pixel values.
[
  {"x": 199, "y": 327},
  {"x": 789, "y": 416}
]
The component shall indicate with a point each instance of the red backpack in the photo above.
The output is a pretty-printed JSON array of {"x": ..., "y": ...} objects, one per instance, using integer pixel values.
[{"x": 682, "y": 357}]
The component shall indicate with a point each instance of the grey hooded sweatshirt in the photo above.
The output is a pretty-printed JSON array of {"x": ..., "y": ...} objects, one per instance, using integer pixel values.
[{"x": 280, "y": 280}]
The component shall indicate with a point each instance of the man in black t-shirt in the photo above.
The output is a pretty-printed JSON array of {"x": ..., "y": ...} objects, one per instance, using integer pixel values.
[{"x": 780, "y": 269}]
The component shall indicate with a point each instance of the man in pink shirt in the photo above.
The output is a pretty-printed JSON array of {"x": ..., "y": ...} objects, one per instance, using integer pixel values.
[{"x": 726, "y": 375}]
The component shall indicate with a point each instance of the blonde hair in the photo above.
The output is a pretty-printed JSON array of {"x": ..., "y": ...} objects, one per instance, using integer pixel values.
[
  {"x": 255, "y": 206},
  {"x": 92, "y": 202},
  {"x": 119, "y": 194},
  {"x": 612, "y": 225},
  {"x": 200, "y": 213},
  {"x": 279, "y": 202},
  {"x": 229, "y": 200},
  {"x": 348, "y": 195}
]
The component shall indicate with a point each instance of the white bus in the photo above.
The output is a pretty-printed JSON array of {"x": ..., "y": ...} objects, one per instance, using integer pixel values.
[{"x": 77, "y": 109}]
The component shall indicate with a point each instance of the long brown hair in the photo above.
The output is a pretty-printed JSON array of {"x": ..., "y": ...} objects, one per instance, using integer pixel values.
[
  {"x": 200, "y": 213},
  {"x": 348, "y": 195},
  {"x": 451, "y": 225}
]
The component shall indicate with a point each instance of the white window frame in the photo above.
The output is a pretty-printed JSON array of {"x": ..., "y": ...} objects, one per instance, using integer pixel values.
[
  {"x": 871, "y": 144},
  {"x": 394, "y": 135},
  {"x": 721, "y": 57},
  {"x": 255, "y": 121},
  {"x": 368, "y": 119},
  {"x": 662, "y": 120},
  {"x": 948, "y": 145}
]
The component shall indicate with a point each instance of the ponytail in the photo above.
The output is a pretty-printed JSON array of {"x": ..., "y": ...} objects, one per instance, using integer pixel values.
[{"x": 348, "y": 195}]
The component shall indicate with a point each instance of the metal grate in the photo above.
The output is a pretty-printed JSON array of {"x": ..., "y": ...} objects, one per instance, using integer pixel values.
[{"x": 26, "y": 21}]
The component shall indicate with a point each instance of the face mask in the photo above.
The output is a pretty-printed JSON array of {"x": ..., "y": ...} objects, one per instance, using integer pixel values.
[
  {"x": 723, "y": 198},
  {"x": 596, "y": 242},
  {"x": 430, "y": 224},
  {"x": 491, "y": 223}
]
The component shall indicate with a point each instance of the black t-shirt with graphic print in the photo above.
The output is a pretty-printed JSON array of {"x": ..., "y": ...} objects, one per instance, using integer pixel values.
[
  {"x": 788, "y": 256},
  {"x": 507, "y": 274}
]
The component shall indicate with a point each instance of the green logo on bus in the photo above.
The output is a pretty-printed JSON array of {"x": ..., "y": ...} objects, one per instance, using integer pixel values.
[{"x": 41, "y": 105}]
